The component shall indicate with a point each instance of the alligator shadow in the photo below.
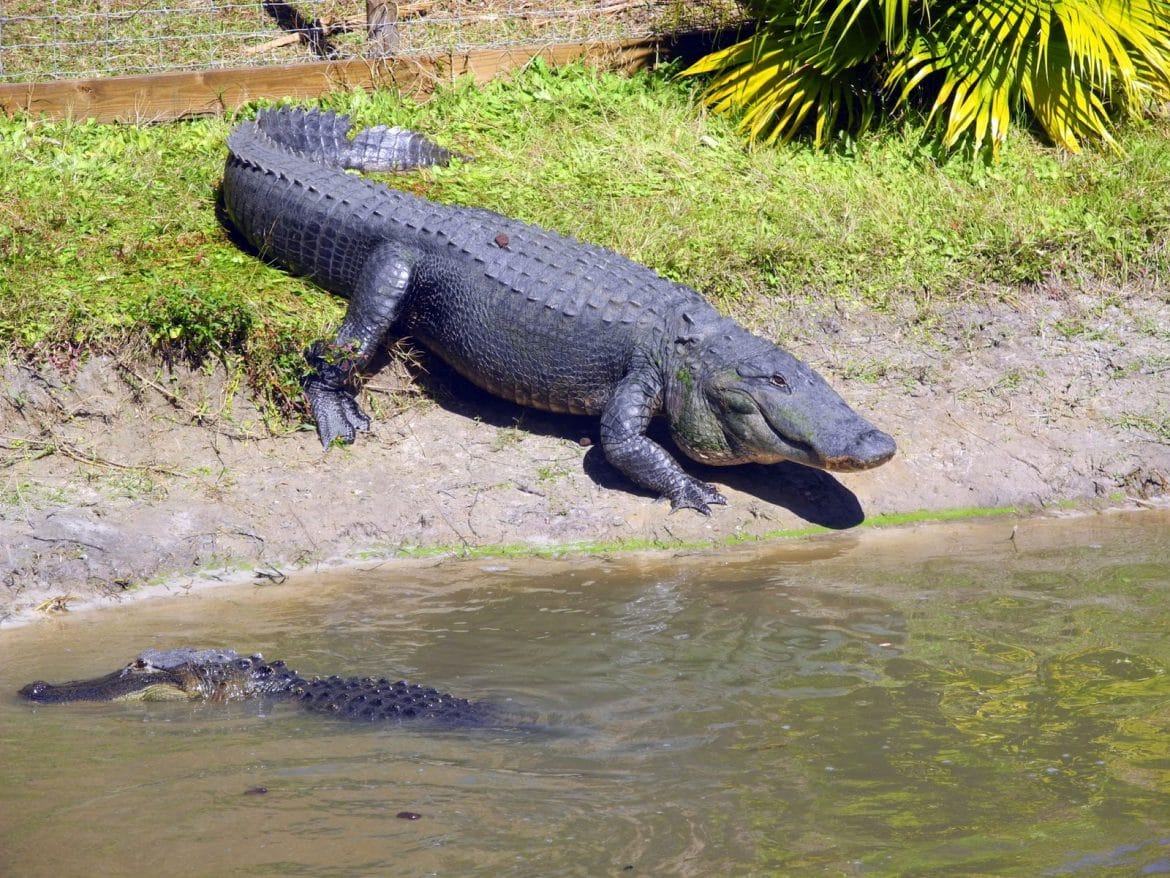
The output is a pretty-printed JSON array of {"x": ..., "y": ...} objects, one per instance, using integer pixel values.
[
  {"x": 811, "y": 494},
  {"x": 442, "y": 385}
]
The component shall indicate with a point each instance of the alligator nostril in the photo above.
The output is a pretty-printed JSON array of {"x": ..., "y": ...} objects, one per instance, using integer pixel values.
[
  {"x": 34, "y": 690},
  {"x": 874, "y": 447}
]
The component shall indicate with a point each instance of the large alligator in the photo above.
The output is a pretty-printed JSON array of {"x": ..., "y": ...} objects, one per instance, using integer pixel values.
[
  {"x": 527, "y": 314},
  {"x": 225, "y": 675}
]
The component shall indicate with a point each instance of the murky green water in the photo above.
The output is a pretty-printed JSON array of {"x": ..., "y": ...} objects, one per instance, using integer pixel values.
[{"x": 940, "y": 701}]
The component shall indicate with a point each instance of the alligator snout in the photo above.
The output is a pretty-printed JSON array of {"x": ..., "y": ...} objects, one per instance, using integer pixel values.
[{"x": 868, "y": 450}]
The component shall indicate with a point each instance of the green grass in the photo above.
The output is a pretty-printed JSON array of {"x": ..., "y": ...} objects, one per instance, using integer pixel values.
[
  {"x": 1155, "y": 424},
  {"x": 109, "y": 238}
]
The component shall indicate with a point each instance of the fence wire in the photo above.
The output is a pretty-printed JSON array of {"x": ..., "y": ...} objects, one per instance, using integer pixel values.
[{"x": 67, "y": 39}]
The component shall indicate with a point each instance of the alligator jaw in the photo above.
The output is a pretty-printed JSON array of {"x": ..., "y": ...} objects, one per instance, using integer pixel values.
[
  {"x": 848, "y": 443},
  {"x": 118, "y": 686}
]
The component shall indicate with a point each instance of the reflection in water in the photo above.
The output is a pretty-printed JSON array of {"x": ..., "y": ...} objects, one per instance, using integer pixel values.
[{"x": 938, "y": 701}]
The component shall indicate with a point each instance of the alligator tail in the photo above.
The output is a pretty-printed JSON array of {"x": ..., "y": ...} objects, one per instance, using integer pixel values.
[{"x": 323, "y": 137}]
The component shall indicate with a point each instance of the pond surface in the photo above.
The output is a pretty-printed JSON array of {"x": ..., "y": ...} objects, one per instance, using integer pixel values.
[{"x": 979, "y": 699}]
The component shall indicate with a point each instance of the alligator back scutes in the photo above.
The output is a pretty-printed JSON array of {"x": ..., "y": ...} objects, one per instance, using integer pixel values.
[
  {"x": 380, "y": 699},
  {"x": 323, "y": 137}
]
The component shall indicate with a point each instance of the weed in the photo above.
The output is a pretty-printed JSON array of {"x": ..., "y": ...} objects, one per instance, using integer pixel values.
[
  {"x": 865, "y": 371},
  {"x": 136, "y": 484},
  {"x": 1014, "y": 378},
  {"x": 551, "y": 472},
  {"x": 1154, "y": 365},
  {"x": 1077, "y": 327},
  {"x": 508, "y": 437},
  {"x": 195, "y": 323},
  {"x": 32, "y": 495},
  {"x": 1156, "y": 424}
]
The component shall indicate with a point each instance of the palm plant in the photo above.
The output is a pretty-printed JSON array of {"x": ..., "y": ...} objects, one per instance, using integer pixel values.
[{"x": 971, "y": 65}]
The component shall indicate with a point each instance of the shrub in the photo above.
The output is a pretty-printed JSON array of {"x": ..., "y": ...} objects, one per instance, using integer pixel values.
[{"x": 972, "y": 66}]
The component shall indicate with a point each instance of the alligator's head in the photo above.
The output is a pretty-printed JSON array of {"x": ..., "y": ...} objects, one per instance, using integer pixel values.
[
  {"x": 164, "y": 675},
  {"x": 735, "y": 398}
]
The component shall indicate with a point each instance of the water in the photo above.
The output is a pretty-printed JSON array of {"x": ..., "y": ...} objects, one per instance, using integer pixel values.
[{"x": 945, "y": 700}]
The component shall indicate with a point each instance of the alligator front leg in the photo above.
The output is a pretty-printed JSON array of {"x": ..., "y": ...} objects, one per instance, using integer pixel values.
[
  {"x": 641, "y": 459},
  {"x": 375, "y": 304}
]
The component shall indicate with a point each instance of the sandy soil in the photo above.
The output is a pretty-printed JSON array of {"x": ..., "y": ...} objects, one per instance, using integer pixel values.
[{"x": 116, "y": 475}]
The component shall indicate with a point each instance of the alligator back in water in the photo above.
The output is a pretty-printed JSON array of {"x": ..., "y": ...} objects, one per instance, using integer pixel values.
[
  {"x": 527, "y": 314},
  {"x": 225, "y": 675}
]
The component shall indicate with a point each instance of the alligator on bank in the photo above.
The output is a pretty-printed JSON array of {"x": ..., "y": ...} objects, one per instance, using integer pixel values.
[
  {"x": 524, "y": 313},
  {"x": 225, "y": 675}
]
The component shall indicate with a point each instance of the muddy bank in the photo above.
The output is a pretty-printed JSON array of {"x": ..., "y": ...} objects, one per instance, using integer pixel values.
[{"x": 117, "y": 475}]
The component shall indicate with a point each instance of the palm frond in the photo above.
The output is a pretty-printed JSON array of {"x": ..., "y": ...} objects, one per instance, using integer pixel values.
[
  {"x": 977, "y": 65},
  {"x": 787, "y": 76},
  {"x": 1063, "y": 103},
  {"x": 983, "y": 44}
]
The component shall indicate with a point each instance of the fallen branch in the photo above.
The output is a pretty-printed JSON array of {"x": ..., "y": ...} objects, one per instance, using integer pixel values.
[
  {"x": 273, "y": 575},
  {"x": 203, "y": 419},
  {"x": 57, "y": 445},
  {"x": 12, "y": 443},
  {"x": 58, "y": 604},
  {"x": 170, "y": 397}
]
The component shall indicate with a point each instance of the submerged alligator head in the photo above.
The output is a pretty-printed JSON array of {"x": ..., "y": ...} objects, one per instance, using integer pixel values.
[{"x": 225, "y": 675}]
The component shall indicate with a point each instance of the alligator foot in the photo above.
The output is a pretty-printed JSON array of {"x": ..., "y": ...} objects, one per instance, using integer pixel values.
[
  {"x": 690, "y": 493},
  {"x": 337, "y": 414},
  {"x": 334, "y": 409}
]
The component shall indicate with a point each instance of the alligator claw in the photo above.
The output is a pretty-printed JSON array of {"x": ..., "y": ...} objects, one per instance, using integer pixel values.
[
  {"x": 337, "y": 414},
  {"x": 693, "y": 494}
]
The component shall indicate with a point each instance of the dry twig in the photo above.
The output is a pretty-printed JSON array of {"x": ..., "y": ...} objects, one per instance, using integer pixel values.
[{"x": 56, "y": 445}]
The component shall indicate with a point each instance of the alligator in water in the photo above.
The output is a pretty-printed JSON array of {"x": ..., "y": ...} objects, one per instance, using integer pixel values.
[
  {"x": 225, "y": 675},
  {"x": 526, "y": 314}
]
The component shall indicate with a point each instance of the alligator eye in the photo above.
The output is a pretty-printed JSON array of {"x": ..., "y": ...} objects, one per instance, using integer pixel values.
[
  {"x": 138, "y": 664},
  {"x": 779, "y": 380}
]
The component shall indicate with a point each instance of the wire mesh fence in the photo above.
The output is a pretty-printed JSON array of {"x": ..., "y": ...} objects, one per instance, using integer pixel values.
[{"x": 43, "y": 40}]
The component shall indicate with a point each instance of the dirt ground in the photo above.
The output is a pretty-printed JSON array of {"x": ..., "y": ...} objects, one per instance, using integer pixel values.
[{"x": 118, "y": 475}]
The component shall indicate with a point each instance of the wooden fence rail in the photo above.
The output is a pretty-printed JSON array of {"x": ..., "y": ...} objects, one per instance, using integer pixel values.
[{"x": 166, "y": 96}]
